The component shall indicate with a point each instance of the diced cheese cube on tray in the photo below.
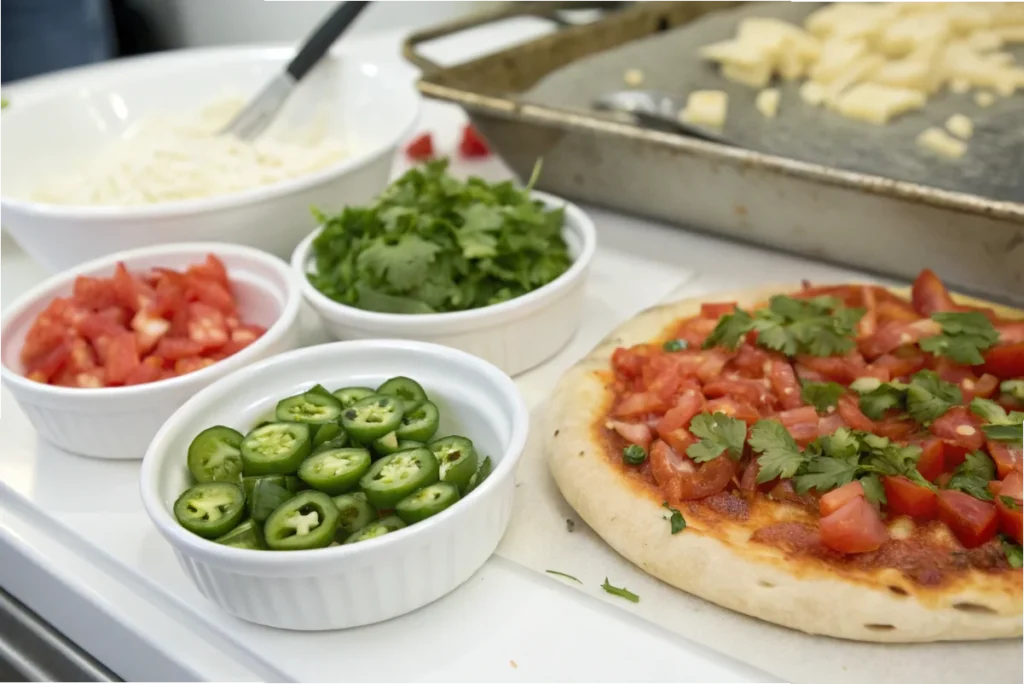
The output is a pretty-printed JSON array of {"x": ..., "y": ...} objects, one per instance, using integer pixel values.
[
  {"x": 706, "y": 107},
  {"x": 767, "y": 102},
  {"x": 960, "y": 126},
  {"x": 877, "y": 104},
  {"x": 939, "y": 142}
]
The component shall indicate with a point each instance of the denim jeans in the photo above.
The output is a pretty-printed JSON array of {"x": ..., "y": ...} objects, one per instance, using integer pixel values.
[{"x": 39, "y": 36}]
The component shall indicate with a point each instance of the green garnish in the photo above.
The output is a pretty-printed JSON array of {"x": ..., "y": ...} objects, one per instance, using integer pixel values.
[
  {"x": 887, "y": 395},
  {"x": 1010, "y": 503},
  {"x": 1015, "y": 388},
  {"x": 718, "y": 433},
  {"x": 780, "y": 455},
  {"x": 4, "y": 102},
  {"x": 1002, "y": 427},
  {"x": 820, "y": 326},
  {"x": 675, "y": 345},
  {"x": 1013, "y": 552},
  {"x": 873, "y": 489},
  {"x": 634, "y": 454},
  {"x": 621, "y": 592},
  {"x": 822, "y": 395},
  {"x": 430, "y": 243},
  {"x": 973, "y": 475},
  {"x": 562, "y": 574},
  {"x": 926, "y": 397},
  {"x": 965, "y": 334},
  {"x": 677, "y": 520}
]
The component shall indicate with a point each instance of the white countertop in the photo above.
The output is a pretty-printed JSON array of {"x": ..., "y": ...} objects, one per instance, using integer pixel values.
[{"x": 78, "y": 549}]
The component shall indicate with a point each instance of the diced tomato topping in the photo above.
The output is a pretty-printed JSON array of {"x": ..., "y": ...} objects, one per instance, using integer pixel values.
[
  {"x": 639, "y": 404},
  {"x": 895, "y": 334},
  {"x": 983, "y": 387},
  {"x": 143, "y": 373},
  {"x": 869, "y": 321},
  {"x": 741, "y": 389},
  {"x": 680, "y": 415},
  {"x": 837, "y": 498},
  {"x": 206, "y": 326},
  {"x": 856, "y": 527},
  {"x": 959, "y": 426},
  {"x": 932, "y": 461},
  {"x": 971, "y": 520},
  {"x": 627, "y": 362},
  {"x": 849, "y": 409},
  {"x": 802, "y": 423},
  {"x": 210, "y": 292},
  {"x": 896, "y": 429},
  {"x": 750, "y": 361},
  {"x": 472, "y": 146},
  {"x": 955, "y": 454},
  {"x": 712, "y": 364},
  {"x": 901, "y": 365},
  {"x": 94, "y": 293},
  {"x": 930, "y": 295},
  {"x": 191, "y": 364},
  {"x": 1007, "y": 457},
  {"x": 421, "y": 148},
  {"x": 904, "y": 497},
  {"x": 841, "y": 369},
  {"x": 634, "y": 433},
  {"x": 716, "y": 309},
  {"x": 132, "y": 293},
  {"x": 45, "y": 367},
  {"x": 785, "y": 384},
  {"x": 829, "y": 424},
  {"x": 1005, "y": 361},
  {"x": 1010, "y": 333},
  {"x": 122, "y": 356},
  {"x": 1012, "y": 485},
  {"x": 1010, "y": 518},
  {"x": 735, "y": 409},
  {"x": 174, "y": 348},
  {"x": 148, "y": 329}
]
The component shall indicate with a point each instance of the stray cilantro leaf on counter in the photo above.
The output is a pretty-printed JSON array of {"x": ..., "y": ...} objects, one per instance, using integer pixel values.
[
  {"x": 965, "y": 334},
  {"x": 562, "y": 574},
  {"x": 621, "y": 592},
  {"x": 1002, "y": 427},
  {"x": 820, "y": 326},
  {"x": 677, "y": 520},
  {"x": 431, "y": 243},
  {"x": 1013, "y": 552},
  {"x": 822, "y": 395},
  {"x": 973, "y": 475},
  {"x": 780, "y": 454},
  {"x": 718, "y": 434}
]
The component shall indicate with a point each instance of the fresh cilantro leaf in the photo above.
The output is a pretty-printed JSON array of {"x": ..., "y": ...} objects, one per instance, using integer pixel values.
[
  {"x": 1002, "y": 427},
  {"x": 822, "y": 395},
  {"x": 780, "y": 454},
  {"x": 1015, "y": 388},
  {"x": 965, "y": 334},
  {"x": 730, "y": 330},
  {"x": 402, "y": 265},
  {"x": 876, "y": 402},
  {"x": 929, "y": 397},
  {"x": 1010, "y": 503},
  {"x": 841, "y": 444},
  {"x": 1013, "y": 552},
  {"x": 621, "y": 592},
  {"x": 973, "y": 475},
  {"x": 825, "y": 473},
  {"x": 718, "y": 433},
  {"x": 677, "y": 520},
  {"x": 562, "y": 574},
  {"x": 873, "y": 489}
]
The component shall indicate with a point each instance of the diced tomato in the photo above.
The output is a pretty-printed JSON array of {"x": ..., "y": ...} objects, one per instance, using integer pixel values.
[
  {"x": 680, "y": 415},
  {"x": 932, "y": 461},
  {"x": 716, "y": 310},
  {"x": 735, "y": 409},
  {"x": 829, "y": 424},
  {"x": 206, "y": 326},
  {"x": 901, "y": 365},
  {"x": 81, "y": 357},
  {"x": 837, "y": 498},
  {"x": 896, "y": 429},
  {"x": 802, "y": 423},
  {"x": 91, "y": 379},
  {"x": 786, "y": 387},
  {"x": 94, "y": 293},
  {"x": 1007, "y": 457},
  {"x": 751, "y": 361},
  {"x": 841, "y": 369},
  {"x": 1011, "y": 332},
  {"x": 983, "y": 387},
  {"x": 1005, "y": 361},
  {"x": 191, "y": 364},
  {"x": 105, "y": 323},
  {"x": 971, "y": 520},
  {"x": 634, "y": 433},
  {"x": 132, "y": 292},
  {"x": 472, "y": 146},
  {"x": 849, "y": 409},
  {"x": 955, "y": 454},
  {"x": 1010, "y": 520},
  {"x": 682, "y": 480},
  {"x": 713, "y": 363},
  {"x": 895, "y": 309},
  {"x": 904, "y": 497},
  {"x": 696, "y": 330},
  {"x": 640, "y": 403},
  {"x": 122, "y": 356},
  {"x": 959, "y": 426},
  {"x": 856, "y": 527},
  {"x": 627, "y": 362},
  {"x": 145, "y": 372},
  {"x": 174, "y": 348},
  {"x": 46, "y": 366},
  {"x": 1012, "y": 485},
  {"x": 751, "y": 391},
  {"x": 148, "y": 330},
  {"x": 869, "y": 321},
  {"x": 679, "y": 439},
  {"x": 668, "y": 467},
  {"x": 930, "y": 295},
  {"x": 895, "y": 334},
  {"x": 210, "y": 292},
  {"x": 421, "y": 149}
]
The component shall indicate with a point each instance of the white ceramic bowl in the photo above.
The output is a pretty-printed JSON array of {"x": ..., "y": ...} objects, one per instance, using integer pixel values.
[
  {"x": 119, "y": 422},
  {"x": 374, "y": 580},
  {"x": 515, "y": 335},
  {"x": 367, "y": 103}
]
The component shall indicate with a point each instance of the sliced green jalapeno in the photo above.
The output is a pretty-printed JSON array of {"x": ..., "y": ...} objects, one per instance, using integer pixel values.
[
  {"x": 214, "y": 455},
  {"x": 426, "y": 502},
  {"x": 267, "y": 495},
  {"x": 420, "y": 423},
  {"x": 210, "y": 509},
  {"x": 480, "y": 475},
  {"x": 335, "y": 471},
  {"x": 289, "y": 482},
  {"x": 457, "y": 459},
  {"x": 408, "y": 390},
  {"x": 313, "y": 407},
  {"x": 306, "y": 521},
  {"x": 405, "y": 444},
  {"x": 247, "y": 535},
  {"x": 383, "y": 446},
  {"x": 276, "y": 449},
  {"x": 378, "y": 528},
  {"x": 329, "y": 432},
  {"x": 354, "y": 512},
  {"x": 395, "y": 477},
  {"x": 373, "y": 417},
  {"x": 350, "y": 395},
  {"x": 321, "y": 390}
]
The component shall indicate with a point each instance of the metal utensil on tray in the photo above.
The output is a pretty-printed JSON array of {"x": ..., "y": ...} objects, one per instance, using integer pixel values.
[
  {"x": 653, "y": 109},
  {"x": 258, "y": 114}
]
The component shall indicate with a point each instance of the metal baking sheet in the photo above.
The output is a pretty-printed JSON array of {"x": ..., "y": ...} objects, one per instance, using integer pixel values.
[{"x": 993, "y": 166}]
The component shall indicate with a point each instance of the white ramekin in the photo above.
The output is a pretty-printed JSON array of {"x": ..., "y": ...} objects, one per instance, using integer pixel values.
[
  {"x": 375, "y": 580},
  {"x": 515, "y": 335},
  {"x": 119, "y": 422}
]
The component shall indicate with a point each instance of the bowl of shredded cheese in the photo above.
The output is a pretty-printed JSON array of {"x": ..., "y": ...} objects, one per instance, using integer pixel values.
[{"x": 128, "y": 154}]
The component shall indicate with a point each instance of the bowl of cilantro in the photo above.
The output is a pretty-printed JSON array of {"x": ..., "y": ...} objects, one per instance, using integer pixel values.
[{"x": 493, "y": 269}]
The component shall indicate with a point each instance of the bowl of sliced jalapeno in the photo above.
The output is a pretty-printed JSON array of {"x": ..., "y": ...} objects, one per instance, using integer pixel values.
[{"x": 338, "y": 485}]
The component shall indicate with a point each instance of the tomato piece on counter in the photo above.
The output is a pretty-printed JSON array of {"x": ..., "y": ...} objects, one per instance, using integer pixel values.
[
  {"x": 856, "y": 527},
  {"x": 837, "y": 498},
  {"x": 904, "y": 497},
  {"x": 421, "y": 149},
  {"x": 972, "y": 521},
  {"x": 960, "y": 427},
  {"x": 1006, "y": 362},
  {"x": 472, "y": 146}
]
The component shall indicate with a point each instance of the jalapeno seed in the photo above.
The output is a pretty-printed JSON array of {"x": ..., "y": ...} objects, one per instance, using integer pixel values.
[
  {"x": 335, "y": 471},
  {"x": 370, "y": 418},
  {"x": 276, "y": 449},
  {"x": 394, "y": 477},
  {"x": 215, "y": 455},
  {"x": 427, "y": 502},
  {"x": 210, "y": 509},
  {"x": 378, "y": 528}
]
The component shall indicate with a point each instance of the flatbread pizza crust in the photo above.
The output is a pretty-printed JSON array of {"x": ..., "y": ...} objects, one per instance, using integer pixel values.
[{"x": 717, "y": 562}]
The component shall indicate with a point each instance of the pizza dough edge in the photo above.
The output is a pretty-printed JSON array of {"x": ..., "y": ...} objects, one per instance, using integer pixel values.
[{"x": 637, "y": 528}]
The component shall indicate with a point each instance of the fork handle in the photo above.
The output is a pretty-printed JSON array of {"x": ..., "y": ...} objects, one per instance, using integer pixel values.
[{"x": 324, "y": 36}]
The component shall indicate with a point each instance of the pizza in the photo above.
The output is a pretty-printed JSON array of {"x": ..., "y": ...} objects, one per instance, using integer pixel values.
[{"x": 841, "y": 460}]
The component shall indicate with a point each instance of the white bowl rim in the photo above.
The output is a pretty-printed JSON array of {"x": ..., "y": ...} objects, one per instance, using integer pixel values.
[
  {"x": 576, "y": 219},
  {"x": 178, "y": 536},
  {"x": 260, "y": 193},
  {"x": 287, "y": 318}
]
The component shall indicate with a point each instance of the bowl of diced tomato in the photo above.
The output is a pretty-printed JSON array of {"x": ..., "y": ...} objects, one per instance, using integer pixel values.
[{"x": 100, "y": 356}]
